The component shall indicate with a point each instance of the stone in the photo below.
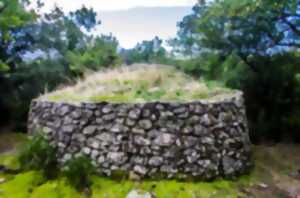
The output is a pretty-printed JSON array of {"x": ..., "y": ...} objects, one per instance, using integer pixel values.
[
  {"x": 95, "y": 144},
  {"x": 180, "y": 110},
  {"x": 117, "y": 157},
  {"x": 138, "y": 131},
  {"x": 47, "y": 130},
  {"x": 2, "y": 180},
  {"x": 142, "y": 170},
  {"x": 165, "y": 139},
  {"x": 107, "y": 109},
  {"x": 130, "y": 122},
  {"x": 109, "y": 117},
  {"x": 139, "y": 140},
  {"x": 139, "y": 194},
  {"x": 208, "y": 120},
  {"x": 105, "y": 138},
  {"x": 86, "y": 150},
  {"x": 155, "y": 161},
  {"x": 145, "y": 124},
  {"x": 200, "y": 130},
  {"x": 68, "y": 128},
  {"x": 89, "y": 130},
  {"x": 187, "y": 130},
  {"x": 79, "y": 137},
  {"x": 101, "y": 159},
  {"x": 228, "y": 165},
  {"x": 189, "y": 141},
  {"x": 94, "y": 154},
  {"x": 117, "y": 128},
  {"x": 66, "y": 157},
  {"x": 64, "y": 110},
  {"x": 134, "y": 114},
  {"x": 133, "y": 176}
]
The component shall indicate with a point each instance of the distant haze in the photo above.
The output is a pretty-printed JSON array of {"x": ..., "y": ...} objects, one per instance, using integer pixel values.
[{"x": 142, "y": 23}]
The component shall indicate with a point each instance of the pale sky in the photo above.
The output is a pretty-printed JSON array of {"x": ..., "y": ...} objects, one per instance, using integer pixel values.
[
  {"x": 129, "y": 23},
  {"x": 115, "y": 4}
]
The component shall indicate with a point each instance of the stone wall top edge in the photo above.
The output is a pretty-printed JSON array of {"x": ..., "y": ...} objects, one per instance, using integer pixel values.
[{"x": 229, "y": 99}]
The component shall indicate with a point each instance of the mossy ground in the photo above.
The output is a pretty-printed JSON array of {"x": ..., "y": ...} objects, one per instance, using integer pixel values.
[
  {"x": 275, "y": 167},
  {"x": 138, "y": 83}
]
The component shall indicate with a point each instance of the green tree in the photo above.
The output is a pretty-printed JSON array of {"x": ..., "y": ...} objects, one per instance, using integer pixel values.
[
  {"x": 146, "y": 52},
  {"x": 253, "y": 46}
]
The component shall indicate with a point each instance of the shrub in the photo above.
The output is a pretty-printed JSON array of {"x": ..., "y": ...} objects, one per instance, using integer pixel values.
[
  {"x": 39, "y": 155},
  {"x": 78, "y": 171}
]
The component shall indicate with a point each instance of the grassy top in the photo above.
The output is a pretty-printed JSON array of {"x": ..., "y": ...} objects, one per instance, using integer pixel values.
[{"x": 137, "y": 83}]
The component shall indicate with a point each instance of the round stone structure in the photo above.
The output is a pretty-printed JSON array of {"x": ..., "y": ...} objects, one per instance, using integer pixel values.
[{"x": 202, "y": 139}]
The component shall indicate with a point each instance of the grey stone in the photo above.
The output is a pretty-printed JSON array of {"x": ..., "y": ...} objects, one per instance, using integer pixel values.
[
  {"x": 47, "y": 130},
  {"x": 107, "y": 109},
  {"x": 165, "y": 139},
  {"x": 134, "y": 114},
  {"x": 105, "y": 138},
  {"x": 117, "y": 157},
  {"x": 138, "y": 131},
  {"x": 68, "y": 128},
  {"x": 228, "y": 165},
  {"x": 139, "y": 194},
  {"x": 64, "y": 110},
  {"x": 117, "y": 128},
  {"x": 109, "y": 117},
  {"x": 94, "y": 154},
  {"x": 180, "y": 110},
  {"x": 101, "y": 159},
  {"x": 86, "y": 150},
  {"x": 130, "y": 122},
  {"x": 139, "y": 140},
  {"x": 187, "y": 130},
  {"x": 155, "y": 161},
  {"x": 89, "y": 130},
  {"x": 145, "y": 124},
  {"x": 142, "y": 170}
]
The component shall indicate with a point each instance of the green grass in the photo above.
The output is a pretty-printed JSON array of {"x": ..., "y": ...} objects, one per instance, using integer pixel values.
[
  {"x": 21, "y": 185},
  {"x": 104, "y": 187},
  {"x": 139, "y": 83}
]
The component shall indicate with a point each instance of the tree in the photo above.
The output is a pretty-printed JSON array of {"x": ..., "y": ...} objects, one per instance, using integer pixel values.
[
  {"x": 252, "y": 45},
  {"x": 35, "y": 54},
  {"x": 147, "y": 52}
]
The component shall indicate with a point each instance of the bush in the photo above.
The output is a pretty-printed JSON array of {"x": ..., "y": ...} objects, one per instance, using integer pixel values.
[
  {"x": 39, "y": 155},
  {"x": 78, "y": 171}
]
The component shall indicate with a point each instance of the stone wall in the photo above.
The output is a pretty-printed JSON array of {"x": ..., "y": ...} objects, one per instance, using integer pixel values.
[{"x": 195, "y": 139}]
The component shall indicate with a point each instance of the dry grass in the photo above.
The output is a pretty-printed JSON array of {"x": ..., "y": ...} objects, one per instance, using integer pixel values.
[{"x": 136, "y": 83}]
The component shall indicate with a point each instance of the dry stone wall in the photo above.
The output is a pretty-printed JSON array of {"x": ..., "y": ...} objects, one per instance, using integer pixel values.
[{"x": 202, "y": 139}]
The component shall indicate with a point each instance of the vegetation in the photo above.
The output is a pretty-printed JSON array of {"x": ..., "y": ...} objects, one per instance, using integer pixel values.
[
  {"x": 138, "y": 83},
  {"x": 37, "y": 154},
  {"x": 252, "y": 46},
  {"x": 39, "y": 51},
  {"x": 78, "y": 171}
]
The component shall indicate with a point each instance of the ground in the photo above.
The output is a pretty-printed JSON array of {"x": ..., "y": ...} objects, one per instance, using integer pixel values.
[{"x": 276, "y": 174}]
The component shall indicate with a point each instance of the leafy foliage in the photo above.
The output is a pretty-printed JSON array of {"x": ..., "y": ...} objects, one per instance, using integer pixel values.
[
  {"x": 253, "y": 46},
  {"x": 39, "y": 155},
  {"x": 40, "y": 51},
  {"x": 146, "y": 52},
  {"x": 78, "y": 171}
]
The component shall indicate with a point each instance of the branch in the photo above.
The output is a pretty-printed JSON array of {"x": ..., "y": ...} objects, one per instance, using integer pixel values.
[{"x": 292, "y": 26}]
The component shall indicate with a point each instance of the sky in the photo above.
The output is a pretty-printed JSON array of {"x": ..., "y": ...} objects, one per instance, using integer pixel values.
[
  {"x": 115, "y": 4},
  {"x": 132, "y": 21}
]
